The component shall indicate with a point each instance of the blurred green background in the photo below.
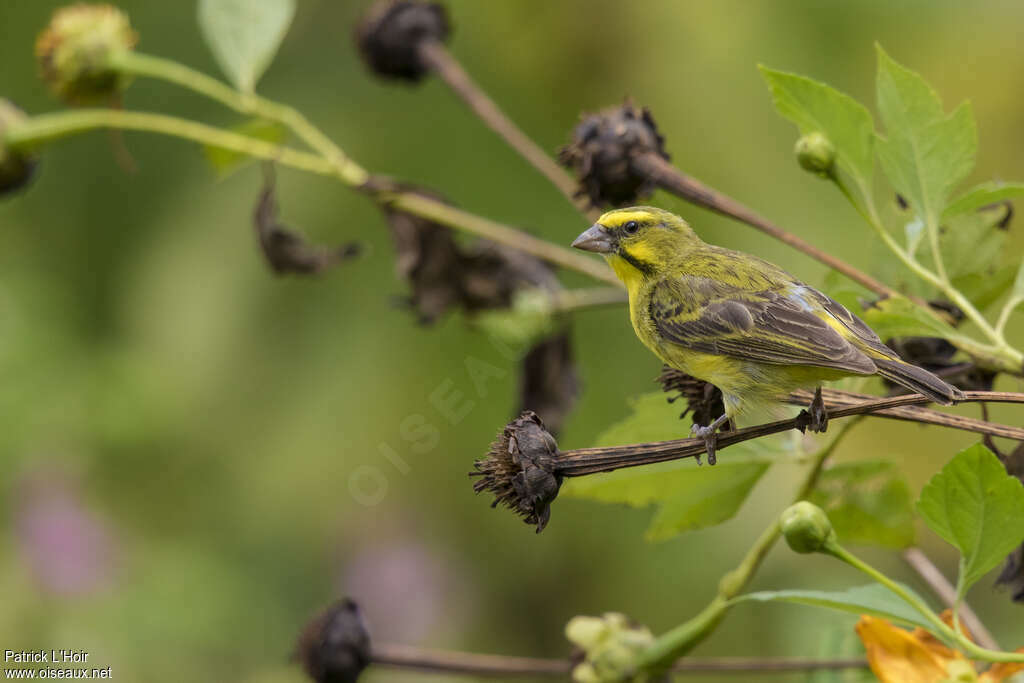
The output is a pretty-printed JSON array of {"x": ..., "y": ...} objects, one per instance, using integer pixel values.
[{"x": 179, "y": 429}]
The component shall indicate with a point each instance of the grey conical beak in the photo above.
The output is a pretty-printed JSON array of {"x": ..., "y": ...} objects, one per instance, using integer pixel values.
[{"x": 595, "y": 239}]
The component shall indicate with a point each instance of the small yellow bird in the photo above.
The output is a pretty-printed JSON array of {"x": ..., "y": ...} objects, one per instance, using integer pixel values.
[{"x": 737, "y": 321}]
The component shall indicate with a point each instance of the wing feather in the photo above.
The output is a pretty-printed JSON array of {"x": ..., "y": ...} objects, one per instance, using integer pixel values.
[{"x": 776, "y": 326}]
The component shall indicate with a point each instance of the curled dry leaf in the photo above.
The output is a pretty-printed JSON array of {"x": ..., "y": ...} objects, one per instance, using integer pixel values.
[{"x": 287, "y": 251}]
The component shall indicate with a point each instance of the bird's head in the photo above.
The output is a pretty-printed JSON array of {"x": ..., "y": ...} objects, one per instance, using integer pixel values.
[{"x": 640, "y": 241}]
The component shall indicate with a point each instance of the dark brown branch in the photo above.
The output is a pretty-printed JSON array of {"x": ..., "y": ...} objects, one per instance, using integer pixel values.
[
  {"x": 941, "y": 586},
  {"x": 436, "y": 56},
  {"x": 671, "y": 179},
  {"x": 836, "y": 398},
  {"x": 584, "y": 461},
  {"x": 464, "y": 663}
]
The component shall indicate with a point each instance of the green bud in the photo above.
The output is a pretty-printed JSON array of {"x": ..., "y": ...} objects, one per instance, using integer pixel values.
[
  {"x": 816, "y": 154},
  {"x": 15, "y": 167},
  {"x": 611, "y": 644},
  {"x": 806, "y": 527},
  {"x": 75, "y": 52},
  {"x": 586, "y": 632}
]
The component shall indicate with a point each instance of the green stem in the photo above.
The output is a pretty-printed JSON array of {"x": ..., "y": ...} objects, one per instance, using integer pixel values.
[
  {"x": 349, "y": 171},
  {"x": 168, "y": 70},
  {"x": 497, "y": 232},
  {"x": 1007, "y": 358},
  {"x": 1004, "y": 315},
  {"x": 44, "y": 128},
  {"x": 976, "y": 651},
  {"x": 567, "y": 300},
  {"x": 683, "y": 638}
]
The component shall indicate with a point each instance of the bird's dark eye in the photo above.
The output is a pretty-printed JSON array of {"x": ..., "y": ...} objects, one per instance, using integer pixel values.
[{"x": 631, "y": 227}]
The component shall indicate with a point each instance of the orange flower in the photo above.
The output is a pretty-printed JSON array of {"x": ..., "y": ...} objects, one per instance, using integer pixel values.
[{"x": 900, "y": 656}]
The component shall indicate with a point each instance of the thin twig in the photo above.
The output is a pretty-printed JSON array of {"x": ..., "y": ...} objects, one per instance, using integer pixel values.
[
  {"x": 671, "y": 179},
  {"x": 935, "y": 579},
  {"x": 584, "y": 461},
  {"x": 447, "y": 67},
  {"x": 465, "y": 663},
  {"x": 835, "y": 398}
]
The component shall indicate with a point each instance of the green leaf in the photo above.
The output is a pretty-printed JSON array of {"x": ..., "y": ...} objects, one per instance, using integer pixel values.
[
  {"x": 868, "y": 502},
  {"x": 227, "y": 161},
  {"x": 925, "y": 153},
  {"x": 244, "y": 35},
  {"x": 977, "y": 507},
  {"x": 983, "y": 195},
  {"x": 984, "y": 288},
  {"x": 816, "y": 107},
  {"x": 524, "y": 323},
  {"x": 688, "y": 496},
  {"x": 899, "y": 317},
  {"x": 915, "y": 233},
  {"x": 973, "y": 242},
  {"x": 874, "y": 599}
]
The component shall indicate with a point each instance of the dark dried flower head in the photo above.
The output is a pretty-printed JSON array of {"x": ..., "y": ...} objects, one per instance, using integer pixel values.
[
  {"x": 16, "y": 169},
  {"x": 520, "y": 470},
  {"x": 335, "y": 646},
  {"x": 391, "y": 32},
  {"x": 428, "y": 258},
  {"x": 285, "y": 250},
  {"x": 548, "y": 384},
  {"x": 603, "y": 154},
  {"x": 76, "y": 48},
  {"x": 703, "y": 399},
  {"x": 444, "y": 275}
]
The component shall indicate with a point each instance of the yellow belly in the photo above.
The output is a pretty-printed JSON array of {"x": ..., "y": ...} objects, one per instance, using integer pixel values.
[{"x": 746, "y": 385}]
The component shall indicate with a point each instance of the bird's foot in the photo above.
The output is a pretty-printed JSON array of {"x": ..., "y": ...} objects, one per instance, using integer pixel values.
[
  {"x": 710, "y": 435},
  {"x": 815, "y": 416}
]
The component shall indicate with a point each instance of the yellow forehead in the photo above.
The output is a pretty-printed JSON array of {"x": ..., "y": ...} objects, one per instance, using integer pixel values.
[{"x": 618, "y": 217}]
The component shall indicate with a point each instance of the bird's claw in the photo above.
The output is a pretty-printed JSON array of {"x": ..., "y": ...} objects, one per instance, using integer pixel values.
[{"x": 710, "y": 435}]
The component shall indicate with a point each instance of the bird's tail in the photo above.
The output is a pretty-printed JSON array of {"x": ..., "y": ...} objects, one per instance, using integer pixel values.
[{"x": 919, "y": 380}]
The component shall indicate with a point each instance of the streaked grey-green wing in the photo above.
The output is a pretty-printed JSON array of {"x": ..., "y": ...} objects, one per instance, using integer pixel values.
[{"x": 775, "y": 326}]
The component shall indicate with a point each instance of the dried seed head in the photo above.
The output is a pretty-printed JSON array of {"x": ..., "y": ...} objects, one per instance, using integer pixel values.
[
  {"x": 75, "y": 50},
  {"x": 391, "y": 31},
  {"x": 285, "y": 250},
  {"x": 603, "y": 152},
  {"x": 335, "y": 646},
  {"x": 520, "y": 470},
  {"x": 16, "y": 169},
  {"x": 444, "y": 275},
  {"x": 703, "y": 399}
]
